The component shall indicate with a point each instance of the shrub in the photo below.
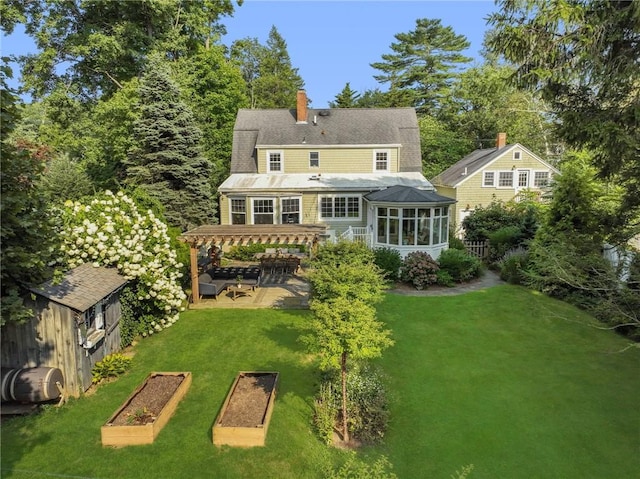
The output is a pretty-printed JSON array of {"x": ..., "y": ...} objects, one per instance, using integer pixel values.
[
  {"x": 112, "y": 365},
  {"x": 389, "y": 261},
  {"x": 445, "y": 279},
  {"x": 419, "y": 269},
  {"x": 456, "y": 243},
  {"x": 325, "y": 412},
  {"x": 460, "y": 265},
  {"x": 368, "y": 407},
  {"x": 512, "y": 266},
  {"x": 503, "y": 240},
  {"x": 353, "y": 468}
]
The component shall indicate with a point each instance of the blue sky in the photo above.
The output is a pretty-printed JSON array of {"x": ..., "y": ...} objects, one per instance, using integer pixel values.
[{"x": 334, "y": 42}]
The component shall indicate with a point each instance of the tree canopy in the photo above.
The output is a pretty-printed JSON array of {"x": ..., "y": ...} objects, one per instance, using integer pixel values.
[
  {"x": 168, "y": 162},
  {"x": 423, "y": 65},
  {"x": 583, "y": 57}
]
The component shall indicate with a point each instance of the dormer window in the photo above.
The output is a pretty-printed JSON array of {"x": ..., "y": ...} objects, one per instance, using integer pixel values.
[
  {"x": 381, "y": 160},
  {"x": 517, "y": 155},
  {"x": 314, "y": 159},
  {"x": 274, "y": 162}
]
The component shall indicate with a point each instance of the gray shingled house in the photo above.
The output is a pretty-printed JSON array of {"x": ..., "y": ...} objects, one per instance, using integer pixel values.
[
  {"x": 76, "y": 323},
  {"x": 324, "y": 166}
]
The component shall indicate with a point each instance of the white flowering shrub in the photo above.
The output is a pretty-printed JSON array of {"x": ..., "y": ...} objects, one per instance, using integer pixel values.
[{"x": 111, "y": 231}]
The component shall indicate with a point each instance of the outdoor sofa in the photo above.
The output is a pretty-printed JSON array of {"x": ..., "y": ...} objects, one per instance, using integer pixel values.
[{"x": 216, "y": 280}]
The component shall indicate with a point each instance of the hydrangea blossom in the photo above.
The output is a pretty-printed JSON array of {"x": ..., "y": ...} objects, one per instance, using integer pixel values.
[{"x": 111, "y": 231}]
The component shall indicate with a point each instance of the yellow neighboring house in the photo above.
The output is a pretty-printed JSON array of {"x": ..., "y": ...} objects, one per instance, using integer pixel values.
[
  {"x": 356, "y": 171},
  {"x": 500, "y": 173}
]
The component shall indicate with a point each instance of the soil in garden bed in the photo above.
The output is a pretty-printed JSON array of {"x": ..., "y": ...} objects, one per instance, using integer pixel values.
[
  {"x": 249, "y": 401},
  {"x": 145, "y": 406}
]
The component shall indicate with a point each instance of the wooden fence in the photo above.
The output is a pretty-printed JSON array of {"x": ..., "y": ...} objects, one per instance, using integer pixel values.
[{"x": 478, "y": 248}]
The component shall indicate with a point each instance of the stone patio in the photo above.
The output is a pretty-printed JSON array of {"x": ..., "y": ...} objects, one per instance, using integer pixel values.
[{"x": 279, "y": 291}]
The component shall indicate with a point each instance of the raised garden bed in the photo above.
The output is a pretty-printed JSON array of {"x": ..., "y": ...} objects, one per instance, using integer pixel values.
[
  {"x": 245, "y": 415},
  {"x": 147, "y": 410}
]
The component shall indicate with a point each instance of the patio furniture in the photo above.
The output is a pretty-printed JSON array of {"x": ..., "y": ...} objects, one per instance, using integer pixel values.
[{"x": 216, "y": 280}]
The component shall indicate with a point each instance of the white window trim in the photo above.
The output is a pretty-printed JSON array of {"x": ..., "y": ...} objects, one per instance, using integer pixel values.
[
  {"x": 513, "y": 182},
  {"x": 517, "y": 155},
  {"x": 281, "y": 209},
  {"x": 484, "y": 183},
  {"x": 281, "y": 152},
  {"x": 246, "y": 207},
  {"x": 346, "y": 218},
  {"x": 318, "y": 165},
  {"x": 388, "y": 152},
  {"x": 533, "y": 179},
  {"x": 516, "y": 178},
  {"x": 253, "y": 208}
]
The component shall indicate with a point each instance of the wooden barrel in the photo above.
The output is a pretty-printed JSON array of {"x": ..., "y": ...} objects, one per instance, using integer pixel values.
[{"x": 31, "y": 384}]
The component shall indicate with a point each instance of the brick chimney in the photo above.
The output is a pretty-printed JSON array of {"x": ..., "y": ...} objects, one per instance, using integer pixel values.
[
  {"x": 301, "y": 107},
  {"x": 501, "y": 141}
]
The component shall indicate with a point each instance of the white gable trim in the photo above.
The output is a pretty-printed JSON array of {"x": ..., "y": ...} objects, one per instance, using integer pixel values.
[{"x": 508, "y": 149}]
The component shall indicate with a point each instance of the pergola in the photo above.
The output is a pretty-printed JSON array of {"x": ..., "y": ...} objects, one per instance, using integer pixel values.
[{"x": 233, "y": 235}]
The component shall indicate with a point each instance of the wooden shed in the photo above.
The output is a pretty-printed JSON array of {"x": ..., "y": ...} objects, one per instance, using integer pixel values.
[{"x": 76, "y": 323}]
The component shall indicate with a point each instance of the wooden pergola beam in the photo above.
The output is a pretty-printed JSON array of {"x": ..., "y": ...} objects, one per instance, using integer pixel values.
[{"x": 245, "y": 234}]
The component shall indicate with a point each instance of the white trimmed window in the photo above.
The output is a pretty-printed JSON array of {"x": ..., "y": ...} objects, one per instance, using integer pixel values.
[
  {"x": 238, "y": 211},
  {"x": 541, "y": 179},
  {"x": 412, "y": 226},
  {"x": 489, "y": 178},
  {"x": 523, "y": 179},
  {"x": 380, "y": 160},
  {"x": 314, "y": 159},
  {"x": 505, "y": 179},
  {"x": 275, "y": 161},
  {"x": 263, "y": 211},
  {"x": 290, "y": 209},
  {"x": 517, "y": 155},
  {"x": 340, "y": 207}
]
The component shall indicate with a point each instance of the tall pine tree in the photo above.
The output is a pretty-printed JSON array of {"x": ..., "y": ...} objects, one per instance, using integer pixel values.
[{"x": 168, "y": 163}]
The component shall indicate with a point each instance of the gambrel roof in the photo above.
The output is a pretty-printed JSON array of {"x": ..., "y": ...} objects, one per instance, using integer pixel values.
[
  {"x": 336, "y": 127},
  {"x": 82, "y": 287},
  {"x": 475, "y": 162}
]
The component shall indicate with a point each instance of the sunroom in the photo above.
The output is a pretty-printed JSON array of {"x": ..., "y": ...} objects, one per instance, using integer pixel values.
[{"x": 408, "y": 219}]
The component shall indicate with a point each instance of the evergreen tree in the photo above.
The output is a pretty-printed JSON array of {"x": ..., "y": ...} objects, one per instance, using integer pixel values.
[
  {"x": 278, "y": 82},
  {"x": 347, "y": 98},
  {"x": 168, "y": 163},
  {"x": 422, "y": 67}
]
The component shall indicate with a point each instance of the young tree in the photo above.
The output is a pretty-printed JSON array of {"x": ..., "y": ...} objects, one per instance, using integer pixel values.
[
  {"x": 26, "y": 231},
  {"x": 423, "y": 64},
  {"x": 169, "y": 164},
  {"x": 583, "y": 57},
  {"x": 345, "y": 286},
  {"x": 64, "y": 179},
  {"x": 347, "y": 98}
]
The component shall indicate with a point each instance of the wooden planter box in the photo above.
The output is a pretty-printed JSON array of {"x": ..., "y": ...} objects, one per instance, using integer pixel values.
[
  {"x": 244, "y": 418},
  {"x": 114, "y": 433}
]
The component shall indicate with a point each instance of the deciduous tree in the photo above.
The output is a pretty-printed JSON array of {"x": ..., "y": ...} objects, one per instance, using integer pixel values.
[
  {"x": 26, "y": 230},
  {"x": 345, "y": 286},
  {"x": 582, "y": 55}
]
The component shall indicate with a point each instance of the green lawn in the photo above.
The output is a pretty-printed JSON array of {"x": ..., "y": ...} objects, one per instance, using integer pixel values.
[{"x": 507, "y": 380}]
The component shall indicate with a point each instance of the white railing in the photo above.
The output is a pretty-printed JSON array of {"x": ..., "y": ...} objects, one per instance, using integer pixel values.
[{"x": 357, "y": 233}]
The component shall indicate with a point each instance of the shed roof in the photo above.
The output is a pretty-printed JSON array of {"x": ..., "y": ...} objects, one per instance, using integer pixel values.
[
  {"x": 326, "y": 128},
  {"x": 82, "y": 287},
  {"x": 407, "y": 194}
]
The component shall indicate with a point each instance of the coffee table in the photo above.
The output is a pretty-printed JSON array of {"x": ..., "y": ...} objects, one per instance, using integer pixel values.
[{"x": 240, "y": 290}]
